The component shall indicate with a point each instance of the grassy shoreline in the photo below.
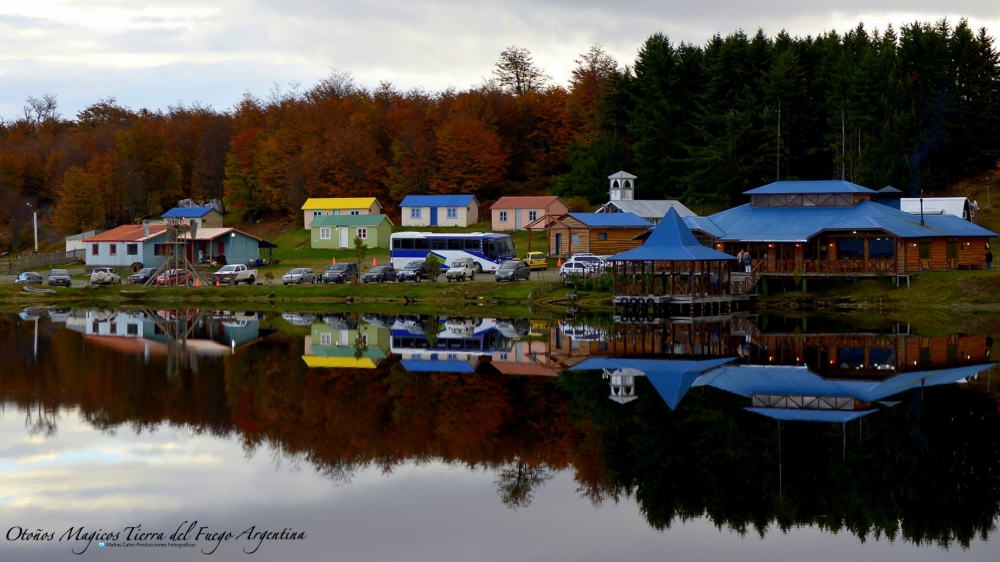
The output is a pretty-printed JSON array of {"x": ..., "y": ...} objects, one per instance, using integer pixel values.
[{"x": 441, "y": 296}]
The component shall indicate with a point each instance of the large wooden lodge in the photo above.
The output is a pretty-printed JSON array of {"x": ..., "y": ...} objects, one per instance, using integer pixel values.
[{"x": 836, "y": 228}]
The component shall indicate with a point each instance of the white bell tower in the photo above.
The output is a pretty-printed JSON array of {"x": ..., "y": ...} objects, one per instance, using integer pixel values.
[{"x": 622, "y": 186}]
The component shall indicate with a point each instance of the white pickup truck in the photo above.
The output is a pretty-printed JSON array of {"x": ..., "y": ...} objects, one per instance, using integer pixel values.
[{"x": 235, "y": 274}]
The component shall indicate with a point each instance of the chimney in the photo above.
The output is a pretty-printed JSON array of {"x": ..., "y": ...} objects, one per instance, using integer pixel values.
[{"x": 145, "y": 228}]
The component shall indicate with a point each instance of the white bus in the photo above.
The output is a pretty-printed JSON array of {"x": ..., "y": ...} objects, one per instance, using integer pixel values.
[{"x": 488, "y": 250}]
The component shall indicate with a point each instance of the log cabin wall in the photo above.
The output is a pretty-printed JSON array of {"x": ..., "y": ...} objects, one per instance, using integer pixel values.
[{"x": 616, "y": 240}]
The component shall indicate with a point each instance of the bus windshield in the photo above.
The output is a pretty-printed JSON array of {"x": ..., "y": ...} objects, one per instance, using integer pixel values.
[{"x": 504, "y": 247}]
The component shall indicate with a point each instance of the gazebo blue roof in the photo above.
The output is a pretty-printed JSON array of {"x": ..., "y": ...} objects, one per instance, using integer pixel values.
[
  {"x": 670, "y": 377},
  {"x": 187, "y": 212},
  {"x": 671, "y": 240},
  {"x": 829, "y": 416}
]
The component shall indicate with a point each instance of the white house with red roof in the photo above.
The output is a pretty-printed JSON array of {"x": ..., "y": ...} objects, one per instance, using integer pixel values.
[{"x": 126, "y": 245}]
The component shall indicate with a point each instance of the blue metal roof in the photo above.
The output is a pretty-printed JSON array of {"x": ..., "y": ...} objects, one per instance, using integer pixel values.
[
  {"x": 705, "y": 225},
  {"x": 612, "y": 220},
  {"x": 798, "y": 224},
  {"x": 746, "y": 380},
  {"x": 415, "y": 366},
  {"x": 671, "y": 240},
  {"x": 831, "y": 416},
  {"x": 186, "y": 212},
  {"x": 437, "y": 200},
  {"x": 796, "y": 187},
  {"x": 670, "y": 377}
]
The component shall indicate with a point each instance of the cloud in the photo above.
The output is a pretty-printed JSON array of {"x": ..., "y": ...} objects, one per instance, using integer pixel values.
[{"x": 153, "y": 53}]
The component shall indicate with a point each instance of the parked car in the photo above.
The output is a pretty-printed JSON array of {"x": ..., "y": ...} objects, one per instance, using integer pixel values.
[
  {"x": 298, "y": 276},
  {"x": 379, "y": 274},
  {"x": 142, "y": 276},
  {"x": 234, "y": 274},
  {"x": 414, "y": 271},
  {"x": 461, "y": 269},
  {"x": 29, "y": 277},
  {"x": 513, "y": 270},
  {"x": 175, "y": 277},
  {"x": 582, "y": 264},
  {"x": 536, "y": 260},
  {"x": 105, "y": 276},
  {"x": 60, "y": 277},
  {"x": 340, "y": 272}
]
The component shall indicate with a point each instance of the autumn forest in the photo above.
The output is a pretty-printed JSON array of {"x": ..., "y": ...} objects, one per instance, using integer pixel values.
[{"x": 917, "y": 108}]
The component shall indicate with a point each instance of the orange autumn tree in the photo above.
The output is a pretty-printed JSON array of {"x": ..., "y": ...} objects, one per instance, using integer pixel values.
[
  {"x": 470, "y": 158},
  {"x": 80, "y": 207}
]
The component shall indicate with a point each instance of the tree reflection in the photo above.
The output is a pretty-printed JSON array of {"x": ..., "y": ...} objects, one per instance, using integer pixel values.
[{"x": 516, "y": 483}]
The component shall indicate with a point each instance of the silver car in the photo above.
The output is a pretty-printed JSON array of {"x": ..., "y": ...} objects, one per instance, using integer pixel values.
[{"x": 298, "y": 276}]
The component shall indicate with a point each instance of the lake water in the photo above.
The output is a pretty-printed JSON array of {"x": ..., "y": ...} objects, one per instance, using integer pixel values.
[{"x": 171, "y": 434}]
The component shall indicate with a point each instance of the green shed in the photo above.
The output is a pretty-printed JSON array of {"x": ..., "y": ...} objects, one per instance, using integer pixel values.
[{"x": 337, "y": 232}]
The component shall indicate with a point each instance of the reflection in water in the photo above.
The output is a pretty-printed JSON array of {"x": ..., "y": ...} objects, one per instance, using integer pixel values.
[{"x": 690, "y": 429}]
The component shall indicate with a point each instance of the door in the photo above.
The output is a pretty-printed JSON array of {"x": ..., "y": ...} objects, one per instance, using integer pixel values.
[
  {"x": 517, "y": 219},
  {"x": 434, "y": 216},
  {"x": 558, "y": 244},
  {"x": 343, "y": 237}
]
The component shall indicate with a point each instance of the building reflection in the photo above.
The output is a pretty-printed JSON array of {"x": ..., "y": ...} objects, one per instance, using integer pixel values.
[
  {"x": 798, "y": 375},
  {"x": 342, "y": 341}
]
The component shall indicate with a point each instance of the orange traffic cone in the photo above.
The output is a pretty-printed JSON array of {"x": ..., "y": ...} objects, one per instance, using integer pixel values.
[
  {"x": 560, "y": 263},
  {"x": 334, "y": 261},
  {"x": 374, "y": 262},
  {"x": 197, "y": 282}
]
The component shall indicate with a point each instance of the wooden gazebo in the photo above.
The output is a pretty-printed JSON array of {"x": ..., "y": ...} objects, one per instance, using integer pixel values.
[{"x": 673, "y": 267}]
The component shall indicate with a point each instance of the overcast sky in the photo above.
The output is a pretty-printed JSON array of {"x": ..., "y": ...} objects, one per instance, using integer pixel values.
[{"x": 157, "y": 53}]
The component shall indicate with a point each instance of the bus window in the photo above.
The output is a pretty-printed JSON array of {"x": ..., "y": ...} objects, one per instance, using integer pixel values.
[
  {"x": 490, "y": 250},
  {"x": 472, "y": 244},
  {"x": 454, "y": 244},
  {"x": 505, "y": 248},
  {"x": 422, "y": 244},
  {"x": 395, "y": 244},
  {"x": 407, "y": 243},
  {"x": 439, "y": 244}
]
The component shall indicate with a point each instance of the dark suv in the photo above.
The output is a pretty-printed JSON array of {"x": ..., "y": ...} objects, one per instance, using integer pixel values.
[
  {"x": 414, "y": 271},
  {"x": 340, "y": 272}
]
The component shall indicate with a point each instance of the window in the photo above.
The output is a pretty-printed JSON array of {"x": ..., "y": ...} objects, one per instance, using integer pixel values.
[
  {"x": 325, "y": 233},
  {"x": 363, "y": 233},
  {"x": 422, "y": 244},
  {"x": 452, "y": 357},
  {"x": 452, "y": 213},
  {"x": 113, "y": 328},
  {"x": 472, "y": 244},
  {"x": 94, "y": 251},
  {"x": 414, "y": 212},
  {"x": 952, "y": 248},
  {"x": 532, "y": 215},
  {"x": 925, "y": 248},
  {"x": 326, "y": 338},
  {"x": 317, "y": 213},
  {"x": 95, "y": 328},
  {"x": 454, "y": 244},
  {"x": 503, "y": 216},
  {"x": 113, "y": 248},
  {"x": 575, "y": 238},
  {"x": 132, "y": 329},
  {"x": 355, "y": 212},
  {"x": 439, "y": 244},
  {"x": 363, "y": 339},
  {"x": 881, "y": 248},
  {"x": 851, "y": 248},
  {"x": 602, "y": 236},
  {"x": 159, "y": 249},
  {"x": 132, "y": 249}
]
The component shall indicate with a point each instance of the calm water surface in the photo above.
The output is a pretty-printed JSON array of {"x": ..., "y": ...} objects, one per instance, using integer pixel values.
[{"x": 432, "y": 438}]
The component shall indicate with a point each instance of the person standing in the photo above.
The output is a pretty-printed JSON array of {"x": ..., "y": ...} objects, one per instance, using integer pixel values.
[
  {"x": 739, "y": 260},
  {"x": 989, "y": 259}
]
